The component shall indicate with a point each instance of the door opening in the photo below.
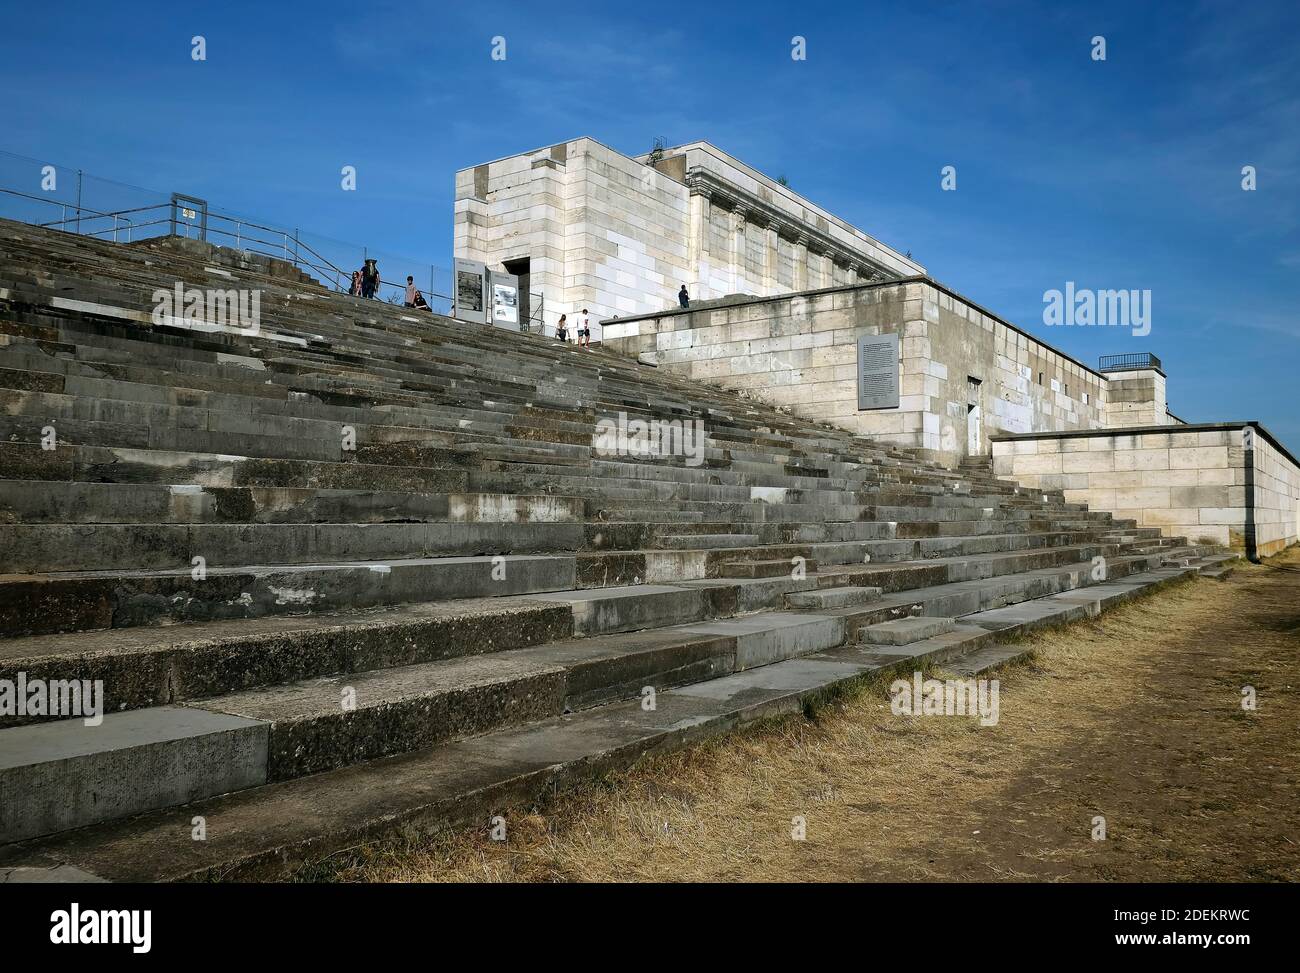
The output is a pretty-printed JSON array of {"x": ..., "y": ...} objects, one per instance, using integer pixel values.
[
  {"x": 974, "y": 417},
  {"x": 520, "y": 268}
]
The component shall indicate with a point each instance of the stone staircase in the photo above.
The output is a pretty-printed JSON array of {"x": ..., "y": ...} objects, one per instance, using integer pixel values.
[{"x": 363, "y": 569}]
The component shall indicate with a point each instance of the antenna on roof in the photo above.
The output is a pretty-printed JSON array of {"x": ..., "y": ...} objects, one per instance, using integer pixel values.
[{"x": 657, "y": 148}]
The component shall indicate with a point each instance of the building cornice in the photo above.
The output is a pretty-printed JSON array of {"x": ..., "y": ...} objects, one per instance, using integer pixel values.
[{"x": 701, "y": 181}]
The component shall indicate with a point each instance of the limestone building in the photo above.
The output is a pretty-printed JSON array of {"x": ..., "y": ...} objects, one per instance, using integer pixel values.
[
  {"x": 835, "y": 326},
  {"x": 585, "y": 226}
]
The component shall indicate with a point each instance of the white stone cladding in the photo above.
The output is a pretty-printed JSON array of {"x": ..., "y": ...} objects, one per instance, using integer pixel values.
[
  {"x": 800, "y": 352},
  {"x": 619, "y": 236},
  {"x": 1189, "y": 481}
]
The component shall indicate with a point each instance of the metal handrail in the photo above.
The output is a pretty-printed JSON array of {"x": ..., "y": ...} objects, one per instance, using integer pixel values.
[{"x": 283, "y": 245}]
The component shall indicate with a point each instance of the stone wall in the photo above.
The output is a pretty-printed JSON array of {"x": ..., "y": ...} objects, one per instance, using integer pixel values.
[
  {"x": 1277, "y": 497},
  {"x": 1188, "y": 480},
  {"x": 800, "y": 351},
  {"x": 1137, "y": 398}
]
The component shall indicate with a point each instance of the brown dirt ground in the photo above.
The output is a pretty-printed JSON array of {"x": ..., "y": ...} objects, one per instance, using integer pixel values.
[{"x": 1135, "y": 716}]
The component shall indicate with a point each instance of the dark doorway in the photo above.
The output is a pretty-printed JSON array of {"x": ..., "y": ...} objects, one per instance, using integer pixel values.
[{"x": 519, "y": 268}]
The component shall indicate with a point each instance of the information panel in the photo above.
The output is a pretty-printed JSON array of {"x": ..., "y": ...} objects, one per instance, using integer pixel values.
[
  {"x": 878, "y": 371},
  {"x": 470, "y": 292},
  {"x": 505, "y": 300}
]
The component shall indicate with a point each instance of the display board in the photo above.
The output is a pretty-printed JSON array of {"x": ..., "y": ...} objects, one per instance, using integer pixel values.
[{"x": 878, "y": 371}]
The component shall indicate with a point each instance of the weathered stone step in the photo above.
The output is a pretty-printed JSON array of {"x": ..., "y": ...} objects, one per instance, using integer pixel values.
[
  {"x": 37, "y": 548},
  {"x": 270, "y": 831},
  {"x": 78, "y": 601},
  {"x": 904, "y": 631},
  {"x": 162, "y": 666},
  {"x": 63, "y": 775},
  {"x": 603, "y": 611},
  {"x": 985, "y": 659},
  {"x": 707, "y": 541},
  {"x": 137, "y": 761},
  {"x": 93, "y": 464},
  {"x": 832, "y": 597},
  {"x": 769, "y": 568},
  {"x": 40, "y": 501}
]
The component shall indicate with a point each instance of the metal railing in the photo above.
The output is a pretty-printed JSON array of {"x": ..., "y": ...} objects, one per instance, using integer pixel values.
[
  {"x": 190, "y": 217},
  {"x": 1117, "y": 363}
]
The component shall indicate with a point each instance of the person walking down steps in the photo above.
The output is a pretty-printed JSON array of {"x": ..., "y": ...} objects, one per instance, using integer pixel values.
[
  {"x": 562, "y": 328},
  {"x": 584, "y": 330}
]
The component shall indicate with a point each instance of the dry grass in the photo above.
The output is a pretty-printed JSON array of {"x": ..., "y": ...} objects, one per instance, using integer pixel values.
[{"x": 1135, "y": 716}]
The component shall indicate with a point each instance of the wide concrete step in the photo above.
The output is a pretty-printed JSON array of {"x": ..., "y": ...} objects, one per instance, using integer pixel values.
[
  {"x": 603, "y": 611},
  {"x": 76, "y": 601},
  {"x": 707, "y": 541},
  {"x": 67, "y": 774},
  {"x": 34, "y": 548},
  {"x": 271, "y": 830},
  {"x": 765, "y": 568},
  {"x": 141, "y": 667},
  {"x": 44, "y": 502},
  {"x": 905, "y": 631},
  {"x": 832, "y": 597}
]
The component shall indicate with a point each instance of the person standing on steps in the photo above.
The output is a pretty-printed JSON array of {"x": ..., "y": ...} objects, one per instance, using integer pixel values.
[
  {"x": 370, "y": 278},
  {"x": 562, "y": 328},
  {"x": 584, "y": 330},
  {"x": 683, "y": 298},
  {"x": 356, "y": 284},
  {"x": 414, "y": 299}
]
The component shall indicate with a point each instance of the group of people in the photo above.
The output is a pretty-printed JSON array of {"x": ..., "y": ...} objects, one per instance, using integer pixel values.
[
  {"x": 365, "y": 283},
  {"x": 584, "y": 329}
]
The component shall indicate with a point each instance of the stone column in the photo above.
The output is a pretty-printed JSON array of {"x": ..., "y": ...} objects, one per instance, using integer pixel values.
[
  {"x": 771, "y": 254},
  {"x": 801, "y": 262},
  {"x": 698, "y": 244},
  {"x": 738, "y": 250}
]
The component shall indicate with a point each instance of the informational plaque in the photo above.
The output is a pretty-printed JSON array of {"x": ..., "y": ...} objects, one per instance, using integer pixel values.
[
  {"x": 470, "y": 292},
  {"x": 505, "y": 300},
  {"x": 878, "y": 371}
]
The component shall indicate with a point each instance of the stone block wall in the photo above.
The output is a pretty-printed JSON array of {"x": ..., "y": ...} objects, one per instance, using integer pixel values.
[
  {"x": 1277, "y": 497},
  {"x": 800, "y": 351},
  {"x": 1188, "y": 480},
  {"x": 1137, "y": 398}
]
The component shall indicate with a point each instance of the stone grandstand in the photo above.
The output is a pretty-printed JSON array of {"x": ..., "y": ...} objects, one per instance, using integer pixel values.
[{"x": 358, "y": 570}]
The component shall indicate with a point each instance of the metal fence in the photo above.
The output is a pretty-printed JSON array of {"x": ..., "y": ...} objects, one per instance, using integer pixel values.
[
  {"x": 66, "y": 199},
  {"x": 1119, "y": 363}
]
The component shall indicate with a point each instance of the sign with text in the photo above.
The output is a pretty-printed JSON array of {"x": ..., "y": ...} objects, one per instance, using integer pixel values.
[{"x": 878, "y": 371}]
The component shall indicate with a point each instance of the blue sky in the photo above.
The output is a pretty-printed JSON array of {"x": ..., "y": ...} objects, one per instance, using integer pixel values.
[{"x": 1117, "y": 174}]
